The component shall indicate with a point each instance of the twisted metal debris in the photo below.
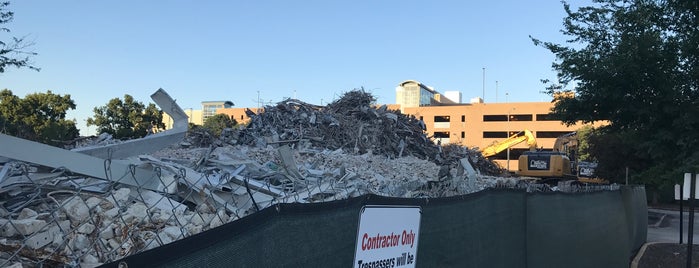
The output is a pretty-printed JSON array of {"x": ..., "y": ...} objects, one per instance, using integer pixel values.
[{"x": 293, "y": 152}]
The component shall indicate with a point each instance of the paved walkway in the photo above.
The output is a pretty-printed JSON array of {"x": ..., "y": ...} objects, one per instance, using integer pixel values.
[
  {"x": 668, "y": 230},
  {"x": 662, "y": 247}
]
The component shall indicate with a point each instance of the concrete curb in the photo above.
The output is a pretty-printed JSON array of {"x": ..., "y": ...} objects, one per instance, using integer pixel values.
[
  {"x": 659, "y": 222},
  {"x": 639, "y": 255}
]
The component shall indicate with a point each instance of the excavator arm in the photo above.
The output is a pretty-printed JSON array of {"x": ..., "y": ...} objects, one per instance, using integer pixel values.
[{"x": 519, "y": 137}]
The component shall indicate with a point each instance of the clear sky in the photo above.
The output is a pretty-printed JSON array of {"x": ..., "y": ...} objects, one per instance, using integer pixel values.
[{"x": 312, "y": 50}]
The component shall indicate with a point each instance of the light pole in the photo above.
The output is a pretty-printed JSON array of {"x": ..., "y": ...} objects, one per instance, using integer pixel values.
[
  {"x": 508, "y": 136},
  {"x": 483, "y": 85},
  {"x": 509, "y": 110}
]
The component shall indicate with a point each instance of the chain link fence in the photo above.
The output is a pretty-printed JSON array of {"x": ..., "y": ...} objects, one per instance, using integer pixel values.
[{"x": 53, "y": 217}]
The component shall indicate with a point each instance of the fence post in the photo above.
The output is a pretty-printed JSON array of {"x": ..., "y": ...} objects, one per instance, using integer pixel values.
[
  {"x": 679, "y": 196},
  {"x": 690, "y": 227}
]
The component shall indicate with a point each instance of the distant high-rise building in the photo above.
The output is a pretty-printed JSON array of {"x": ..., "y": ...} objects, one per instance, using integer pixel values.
[
  {"x": 454, "y": 96},
  {"x": 411, "y": 93},
  {"x": 209, "y": 108}
]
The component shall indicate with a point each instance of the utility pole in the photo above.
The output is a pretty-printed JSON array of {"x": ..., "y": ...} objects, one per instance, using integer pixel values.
[
  {"x": 496, "y": 91},
  {"x": 483, "y": 85},
  {"x": 508, "y": 132},
  {"x": 258, "y": 101}
]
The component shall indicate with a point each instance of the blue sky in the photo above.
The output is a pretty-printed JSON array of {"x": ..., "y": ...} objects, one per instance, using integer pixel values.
[{"x": 313, "y": 50}]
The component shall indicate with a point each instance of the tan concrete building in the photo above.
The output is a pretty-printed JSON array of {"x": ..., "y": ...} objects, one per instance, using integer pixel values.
[
  {"x": 238, "y": 114},
  {"x": 210, "y": 108},
  {"x": 474, "y": 124},
  {"x": 482, "y": 124}
]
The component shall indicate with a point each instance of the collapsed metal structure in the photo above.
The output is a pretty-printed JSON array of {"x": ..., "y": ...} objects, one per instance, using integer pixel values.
[{"x": 97, "y": 204}]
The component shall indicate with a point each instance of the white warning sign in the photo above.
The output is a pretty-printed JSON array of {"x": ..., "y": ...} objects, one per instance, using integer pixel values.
[{"x": 387, "y": 237}]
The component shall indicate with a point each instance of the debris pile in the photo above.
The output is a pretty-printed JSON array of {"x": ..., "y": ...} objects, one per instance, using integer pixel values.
[
  {"x": 51, "y": 215},
  {"x": 350, "y": 123}
]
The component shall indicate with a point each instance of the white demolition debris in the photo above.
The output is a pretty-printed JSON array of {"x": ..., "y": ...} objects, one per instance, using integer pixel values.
[{"x": 72, "y": 208}]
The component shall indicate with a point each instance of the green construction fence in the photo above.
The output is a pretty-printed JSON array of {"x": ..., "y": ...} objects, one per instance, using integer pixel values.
[{"x": 491, "y": 228}]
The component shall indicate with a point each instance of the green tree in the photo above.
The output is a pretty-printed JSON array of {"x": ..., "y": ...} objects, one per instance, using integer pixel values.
[
  {"x": 218, "y": 122},
  {"x": 634, "y": 64},
  {"x": 38, "y": 116},
  {"x": 127, "y": 119},
  {"x": 15, "y": 52}
]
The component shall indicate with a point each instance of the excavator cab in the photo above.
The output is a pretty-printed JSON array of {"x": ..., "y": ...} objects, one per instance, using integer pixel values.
[{"x": 544, "y": 164}]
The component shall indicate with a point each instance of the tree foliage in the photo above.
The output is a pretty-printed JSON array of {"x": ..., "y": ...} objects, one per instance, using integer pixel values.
[
  {"x": 634, "y": 64},
  {"x": 127, "y": 118},
  {"x": 38, "y": 116},
  {"x": 218, "y": 122},
  {"x": 15, "y": 52}
]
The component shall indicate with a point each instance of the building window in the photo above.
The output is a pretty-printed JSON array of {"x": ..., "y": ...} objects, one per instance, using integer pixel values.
[
  {"x": 439, "y": 135},
  {"x": 441, "y": 118},
  {"x": 495, "y": 118},
  {"x": 463, "y": 135},
  {"x": 545, "y": 117},
  {"x": 463, "y": 118},
  {"x": 503, "y": 117},
  {"x": 550, "y": 134},
  {"x": 209, "y": 111},
  {"x": 495, "y": 134},
  {"x": 241, "y": 117},
  {"x": 520, "y": 117}
]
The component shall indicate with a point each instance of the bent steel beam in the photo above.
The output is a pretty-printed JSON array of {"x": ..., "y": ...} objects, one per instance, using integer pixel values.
[
  {"x": 45, "y": 155},
  {"x": 150, "y": 143}
]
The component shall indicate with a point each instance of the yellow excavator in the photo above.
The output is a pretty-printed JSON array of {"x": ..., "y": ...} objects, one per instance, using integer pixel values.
[
  {"x": 517, "y": 138},
  {"x": 548, "y": 164},
  {"x": 561, "y": 163}
]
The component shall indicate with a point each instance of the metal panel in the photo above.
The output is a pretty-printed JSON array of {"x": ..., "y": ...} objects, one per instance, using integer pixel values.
[
  {"x": 45, "y": 155},
  {"x": 150, "y": 143}
]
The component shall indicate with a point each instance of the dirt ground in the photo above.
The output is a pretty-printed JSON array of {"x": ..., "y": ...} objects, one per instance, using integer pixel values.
[{"x": 667, "y": 255}]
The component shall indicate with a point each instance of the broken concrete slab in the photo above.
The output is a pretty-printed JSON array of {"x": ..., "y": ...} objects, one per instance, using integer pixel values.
[
  {"x": 24, "y": 227},
  {"x": 288, "y": 162},
  {"x": 155, "y": 200},
  {"x": 468, "y": 169}
]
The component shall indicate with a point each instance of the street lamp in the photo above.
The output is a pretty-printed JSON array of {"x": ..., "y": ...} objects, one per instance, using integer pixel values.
[
  {"x": 509, "y": 110},
  {"x": 508, "y": 136}
]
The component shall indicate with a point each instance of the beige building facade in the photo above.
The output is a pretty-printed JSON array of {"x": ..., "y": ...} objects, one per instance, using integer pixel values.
[
  {"x": 474, "y": 125},
  {"x": 481, "y": 124}
]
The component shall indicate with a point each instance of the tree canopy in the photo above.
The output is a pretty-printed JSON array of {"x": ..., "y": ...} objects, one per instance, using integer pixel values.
[
  {"x": 127, "y": 118},
  {"x": 635, "y": 65},
  {"x": 16, "y": 51},
  {"x": 218, "y": 122},
  {"x": 38, "y": 116}
]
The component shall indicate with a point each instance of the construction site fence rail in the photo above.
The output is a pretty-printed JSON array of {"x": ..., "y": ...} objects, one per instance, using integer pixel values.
[{"x": 491, "y": 228}]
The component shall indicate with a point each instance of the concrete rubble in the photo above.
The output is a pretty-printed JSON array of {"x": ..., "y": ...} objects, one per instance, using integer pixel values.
[{"x": 51, "y": 215}]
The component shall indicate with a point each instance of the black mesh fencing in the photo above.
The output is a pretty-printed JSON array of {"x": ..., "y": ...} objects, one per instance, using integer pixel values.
[
  {"x": 577, "y": 230},
  {"x": 492, "y": 228}
]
